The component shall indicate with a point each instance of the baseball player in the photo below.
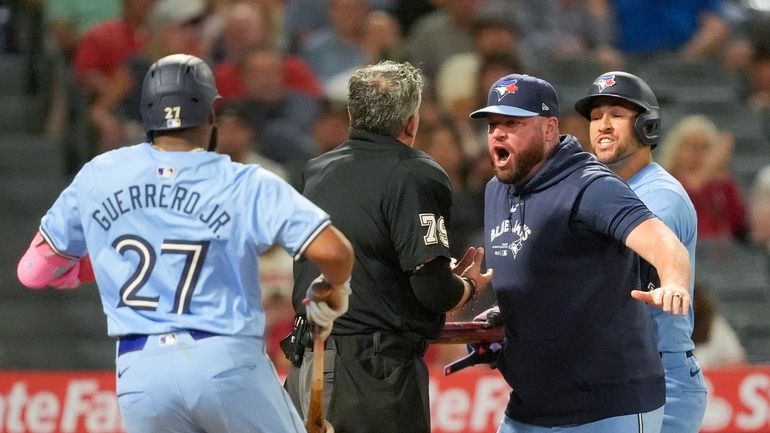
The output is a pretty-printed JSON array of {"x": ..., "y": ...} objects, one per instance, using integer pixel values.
[
  {"x": 393, "y": 203},
  {"x": 561, "y": 232},
  {"x": 174, "y": 232},
  {"x": 624, "y": 128}
]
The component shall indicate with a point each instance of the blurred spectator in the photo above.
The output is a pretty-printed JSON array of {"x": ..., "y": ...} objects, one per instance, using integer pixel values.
[
  {"x": 380, "y": 40},
  {"x": 337, "y": 48},
  {"x": 697, "y": 154},
  {"x": 407, "y": 12},
  {"x": 474, "y": 132},
  {"x": 716, "y": 343},
  {"x": 174, "y": 27},
  {"x": 244, "y": 24},
  {"x": 442, "y": 143},
  {"x": 430, "y": 113},
  {"x": 559, "y": 30},
  {"x": 493, "y": 34},
  {"x": 441, "y": 33},
  {"x": 281, "y": 117},
  {"x": 104, "y": 47},
  {"x": 237, "y": 139},
  {"x": 759, "y": 209},
  {"x": 692, "y": 29},
  {"x": 66, "y": 21},
  {"x": 245, "y": 30},
  {"x": 304, "y": 17},
  {"x": 331, "y": 128},
  {"x": 759, "y": 75}
]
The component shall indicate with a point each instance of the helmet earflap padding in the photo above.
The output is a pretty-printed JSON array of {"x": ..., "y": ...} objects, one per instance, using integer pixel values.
[{"x": 647, "y": 127}]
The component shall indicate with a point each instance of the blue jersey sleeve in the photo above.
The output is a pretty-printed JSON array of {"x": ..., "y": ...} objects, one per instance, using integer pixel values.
[
  {"x": 609, "y": 206},
  {"x": 284, "y": 216},
  {"x": 670, "y": 208},
  {"x": 62, "y": 226}
]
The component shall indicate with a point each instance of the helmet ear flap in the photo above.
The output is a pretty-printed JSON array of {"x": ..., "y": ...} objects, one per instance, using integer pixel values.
[{"x": 647, "y": 127}]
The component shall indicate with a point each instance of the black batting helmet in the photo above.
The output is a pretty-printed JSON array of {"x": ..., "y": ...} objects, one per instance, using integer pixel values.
[
  {"x": 632, "y": 89},
  {"x": 178, "y": 92}
]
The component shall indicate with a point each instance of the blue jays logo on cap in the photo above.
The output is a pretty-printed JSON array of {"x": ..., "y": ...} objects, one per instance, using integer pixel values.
[
  {"x": 605, "y": 81},
  {"x": 520, "y": 95},
  {"x": 505, "y": 87}
]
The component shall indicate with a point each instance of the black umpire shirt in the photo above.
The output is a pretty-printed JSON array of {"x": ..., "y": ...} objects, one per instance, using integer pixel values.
[{"x": 393, "y": 204}]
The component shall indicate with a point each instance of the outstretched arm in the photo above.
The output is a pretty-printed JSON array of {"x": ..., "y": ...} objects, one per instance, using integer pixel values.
[{"x": 657, "y": 244}]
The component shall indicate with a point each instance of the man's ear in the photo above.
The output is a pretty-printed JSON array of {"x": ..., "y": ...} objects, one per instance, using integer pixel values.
[
  {"x": 411, "y": 126},
  {"x": 551, "y": 126}
]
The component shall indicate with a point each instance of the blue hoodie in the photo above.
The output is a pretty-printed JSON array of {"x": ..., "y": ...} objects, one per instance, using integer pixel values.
[{"x": 578, "y": 347}]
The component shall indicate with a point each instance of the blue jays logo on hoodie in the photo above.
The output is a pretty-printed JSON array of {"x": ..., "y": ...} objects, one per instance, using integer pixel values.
[
  {"x": 512, "y": 235},
  {"x": 506, "y": 87},
  {"x": 605, "y": 81}
]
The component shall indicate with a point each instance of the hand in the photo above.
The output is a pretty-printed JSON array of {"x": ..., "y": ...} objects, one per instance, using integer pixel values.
[
  {"x": 671, "y": 298},
  {"x": 487, "y": 353},
  {"x": 324, "y": 303},
  {"x": 491, "y": 317},
  {"x": 470, "y": 267},
  {"x": 482, "y": 353}
]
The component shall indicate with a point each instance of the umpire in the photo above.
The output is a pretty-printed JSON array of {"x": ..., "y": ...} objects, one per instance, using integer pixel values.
[{"x": 393, "y": 203}]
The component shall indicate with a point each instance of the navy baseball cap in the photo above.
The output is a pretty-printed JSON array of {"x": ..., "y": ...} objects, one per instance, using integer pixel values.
[{"x": 522, "y": 96}]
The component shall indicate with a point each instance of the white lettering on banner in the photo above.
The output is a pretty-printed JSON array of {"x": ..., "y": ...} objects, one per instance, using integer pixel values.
[
  {"x": 100, "y": 413},
  {"x": 719, "y": 412},
  {"x": 12, "y": 408},
  {"x": 754, "y": 392},
  {"x": 453, "y": 409},
  {"x": 43, "y": 411},
  {"x": 465, "y": 409},
  {"x": 490, "y": 401}
]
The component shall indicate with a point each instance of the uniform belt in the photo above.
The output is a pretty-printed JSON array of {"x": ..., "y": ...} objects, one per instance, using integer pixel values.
[
  {"x": 689, "y": 354},
  {"x": 134, "y": 342},
  {"x": 380, "y": 343}
]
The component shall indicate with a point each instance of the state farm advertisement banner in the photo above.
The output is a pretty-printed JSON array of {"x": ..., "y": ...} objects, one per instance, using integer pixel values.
[
  {"x": 469, "y": 401},
  {"x": 59, "y": 402}
]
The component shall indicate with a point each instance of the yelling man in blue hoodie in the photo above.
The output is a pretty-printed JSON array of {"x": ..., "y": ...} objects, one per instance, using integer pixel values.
[{"x": 562, "y": 233}]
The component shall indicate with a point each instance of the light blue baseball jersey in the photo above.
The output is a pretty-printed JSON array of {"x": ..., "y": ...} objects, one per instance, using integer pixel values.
[
  {"x": 685, "y": 386},
  {"x": 174, "y": 237},
  {"x": 667, "y": 199}
]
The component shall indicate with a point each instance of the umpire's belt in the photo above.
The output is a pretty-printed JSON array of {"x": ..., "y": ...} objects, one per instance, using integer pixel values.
[
  {"x": 377, "y": 343},
  {"x": 134, "y": 342}
]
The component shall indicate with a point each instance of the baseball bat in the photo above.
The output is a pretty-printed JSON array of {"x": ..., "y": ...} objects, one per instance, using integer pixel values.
[
  {"x": 316, "y": 423},
  {"x": 315, "y": 417},
  {"x": 469, "y": 333}
]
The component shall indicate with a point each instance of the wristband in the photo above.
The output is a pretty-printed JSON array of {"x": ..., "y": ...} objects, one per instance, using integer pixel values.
[{"x": 474, "y": 290}]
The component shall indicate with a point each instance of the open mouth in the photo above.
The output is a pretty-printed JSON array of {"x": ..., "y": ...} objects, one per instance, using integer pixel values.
[
  {"x": 604, "y": 143},
  {"x": 501, "y": 155}
]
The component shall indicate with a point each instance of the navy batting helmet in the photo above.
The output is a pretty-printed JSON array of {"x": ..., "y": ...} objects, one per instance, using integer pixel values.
[
  {"x": 632, "y": 89},
  {"x": 178, "y": 92}
]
